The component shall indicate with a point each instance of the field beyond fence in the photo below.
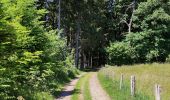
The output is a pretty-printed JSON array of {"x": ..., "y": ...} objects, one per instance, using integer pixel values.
[{"x": 151, "y": 81}]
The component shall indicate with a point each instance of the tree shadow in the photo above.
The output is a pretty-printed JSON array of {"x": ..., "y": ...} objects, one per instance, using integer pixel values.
[
  {"x": 68, "y": 93},
  {"x": 90, "y": 69}
]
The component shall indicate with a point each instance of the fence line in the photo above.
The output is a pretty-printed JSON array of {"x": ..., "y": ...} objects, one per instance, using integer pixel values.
[{"x": 157, "y": 88}]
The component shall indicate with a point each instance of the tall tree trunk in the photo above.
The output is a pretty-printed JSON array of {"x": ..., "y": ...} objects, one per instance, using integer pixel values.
[
  {"x": 84, "y": 58},
  {"x": 91, "y": 61},
  {"x": 59, "y": 14},
  {"x": 81, "y": 60},
  {"x": 88, "y": 59},
  {"x": 77, "y": 45},
  {"x": 46, "y": 16}
]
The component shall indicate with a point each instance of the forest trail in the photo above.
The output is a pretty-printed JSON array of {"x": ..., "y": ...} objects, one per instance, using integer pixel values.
[
  {"x": 96, "y": 90},
  {"x": 68, "y": 90}
]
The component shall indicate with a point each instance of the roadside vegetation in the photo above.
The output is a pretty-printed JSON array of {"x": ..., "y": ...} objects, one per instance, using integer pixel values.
[
  {"x": 147, "y": 75},
  {"x": 34, "y": 61}
]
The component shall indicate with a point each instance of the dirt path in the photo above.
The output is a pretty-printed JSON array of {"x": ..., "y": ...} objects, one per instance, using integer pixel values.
[
  {"x": 68, "y": 90},
  {"x": 96, "y": 90}
]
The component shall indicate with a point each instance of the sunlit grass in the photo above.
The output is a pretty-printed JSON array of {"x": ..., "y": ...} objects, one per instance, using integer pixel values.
[
  {"x": 42, "y": 96},
  {"x": 86, "y": 88},
  {"x": 147, "y": 75}
]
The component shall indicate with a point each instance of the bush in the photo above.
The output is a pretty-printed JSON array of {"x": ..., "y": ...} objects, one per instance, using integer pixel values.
[
  {"x": 42, "y": 96},
  {"x": 120, "y": 53},
  {"x": 168, "y": 59},
  {"x": 150, "y": 37},
  {"x": 150, "y": 46},
  {"x": 33, "y": 61},
  {"x": 141, "y": 47}
]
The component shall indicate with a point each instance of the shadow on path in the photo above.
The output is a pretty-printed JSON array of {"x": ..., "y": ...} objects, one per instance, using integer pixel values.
[
  {"x": 69, "y": 90},
  {"x": 68, "y": 93}
]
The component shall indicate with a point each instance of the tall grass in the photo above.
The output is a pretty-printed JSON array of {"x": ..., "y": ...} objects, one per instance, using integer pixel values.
[{"x": 147, "y": 75}]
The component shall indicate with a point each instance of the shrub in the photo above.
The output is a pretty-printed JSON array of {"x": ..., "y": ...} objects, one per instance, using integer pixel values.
[
  {"x": 120, "y": 53},
  {"x": 141, "y": 47},
  {"x": 33, "y": 60},
  {"x": 168, "y": 59}
]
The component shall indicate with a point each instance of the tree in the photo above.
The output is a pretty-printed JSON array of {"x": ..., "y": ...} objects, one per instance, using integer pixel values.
[
  {"x": 150, "y": 34},
  {"x": 33, "y": 59}
]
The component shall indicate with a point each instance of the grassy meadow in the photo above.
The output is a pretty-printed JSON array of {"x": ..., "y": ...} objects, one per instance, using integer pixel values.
[{"x": 147, "y": 75}]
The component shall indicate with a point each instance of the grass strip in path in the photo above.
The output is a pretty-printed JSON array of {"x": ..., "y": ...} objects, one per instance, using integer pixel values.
[{"x": 82, "y": 88}]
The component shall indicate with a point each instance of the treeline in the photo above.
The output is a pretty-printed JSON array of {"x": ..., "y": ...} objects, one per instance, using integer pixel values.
[
  {"x": 148, "y": 39},
  {"x": 112, "y": 31},
  {"x": 87, "y": 27},
  {"x": 34, "y": 59}
]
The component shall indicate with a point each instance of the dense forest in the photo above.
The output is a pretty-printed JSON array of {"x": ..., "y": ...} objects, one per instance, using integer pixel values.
[{"x": 43, "y": 43}]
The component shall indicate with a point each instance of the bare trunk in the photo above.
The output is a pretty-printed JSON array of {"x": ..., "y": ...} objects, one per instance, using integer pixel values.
[
  {"x": 91, "y": 61},
  {"x": 77, "y": 45},
  {"x": 130, "y": 22},
  {"x": 129, "y": 28},
  {"x": 46, "y": 16},
  {"x": 84, "y": 60},
  {"x": 81, "y": 60},
  {"x": 59, "y": 14},
  {"x": 131, "y": 19}
]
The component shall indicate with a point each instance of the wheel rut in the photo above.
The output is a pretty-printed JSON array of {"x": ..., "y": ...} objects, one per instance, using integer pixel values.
[{"x": 96, "y": 90}]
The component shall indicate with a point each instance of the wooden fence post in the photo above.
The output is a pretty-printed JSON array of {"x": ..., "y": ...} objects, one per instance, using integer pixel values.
[
  {"x": 157, "y": 92},
  {"x": 133, "y": 85},
  {"x": 121, "y": 81}
]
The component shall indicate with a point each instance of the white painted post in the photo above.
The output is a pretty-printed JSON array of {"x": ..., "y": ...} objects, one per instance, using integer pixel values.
[
  {"x": 157, "y": 92},
  {"x": 133, "y": 85},
  {"x": 121, "y": 81}
]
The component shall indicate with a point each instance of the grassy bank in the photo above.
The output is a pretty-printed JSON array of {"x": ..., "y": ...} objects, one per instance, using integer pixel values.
[
  {"x": 146, "y": 77},
  {"x": 82, "y": 88},
  {"x": 47, "y": 95}
]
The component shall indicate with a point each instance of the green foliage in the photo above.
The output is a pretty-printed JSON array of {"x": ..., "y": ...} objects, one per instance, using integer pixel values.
[
  {"x": 168, "y": 59},
  {"x": 149, "y": 41},
  {"x": 120, "y": 53},
  {"x": 149, "y": 45},
  {"x": 33, "y": 61},
  {"x": 43, "y": 96}
]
